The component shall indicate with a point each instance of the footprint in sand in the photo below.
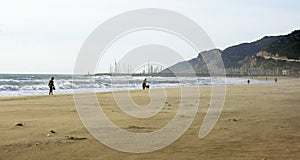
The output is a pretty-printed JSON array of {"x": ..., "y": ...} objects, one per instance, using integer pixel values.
[
  {"x": 75, "y": 138},
  {"x": 233, "y": 120},
  {"x": 52, "y": 131},
  {"x": 19, "y": 124}
]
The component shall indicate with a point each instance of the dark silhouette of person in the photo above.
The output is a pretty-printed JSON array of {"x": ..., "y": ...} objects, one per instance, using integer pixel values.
[
  {"x": 51, "y": 85},
  {"x": 144, "y": 83},
  {"x": 248, "y": 81},
  {"x": 275, "y": 80}
]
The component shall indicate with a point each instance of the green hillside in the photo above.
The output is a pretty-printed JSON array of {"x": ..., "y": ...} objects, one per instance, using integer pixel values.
[
  {"x": 286, "y": 46},
  {"x": 243, "y": 58}
]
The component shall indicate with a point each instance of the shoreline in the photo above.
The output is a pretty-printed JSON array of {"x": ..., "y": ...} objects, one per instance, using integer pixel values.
[{"x": 263, "y": 81}]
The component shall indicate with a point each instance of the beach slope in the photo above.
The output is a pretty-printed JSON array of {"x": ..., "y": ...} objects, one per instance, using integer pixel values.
[{"x": 258, "y": 122}]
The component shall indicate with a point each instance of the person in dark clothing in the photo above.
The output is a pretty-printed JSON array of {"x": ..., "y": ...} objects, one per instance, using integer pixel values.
[
  {"x": 144, "y": 83},
  {"x": 248, "y": 81},
  {"x": 275, "y": 80},
  {"x": 51, "y": 85}
]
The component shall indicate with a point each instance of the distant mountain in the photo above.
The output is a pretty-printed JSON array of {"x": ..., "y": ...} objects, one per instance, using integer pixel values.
[
  {"x": 233, "y": 56},
  {"x": 267, "y": 56},
  {"x": 196, "y": 65},
  {"x": 286, "y": 46}
]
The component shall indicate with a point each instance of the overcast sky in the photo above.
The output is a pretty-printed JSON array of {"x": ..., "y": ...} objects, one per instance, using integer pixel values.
[{"x": 41, "y": 36}]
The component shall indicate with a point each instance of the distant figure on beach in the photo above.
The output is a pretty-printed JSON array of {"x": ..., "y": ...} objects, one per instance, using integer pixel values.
[
  {"x": 51, "y": 85},
  {"x": 248, "y": 81},
  {"x": 144, "y": 84},
  {"x": 275, "y": 80}
]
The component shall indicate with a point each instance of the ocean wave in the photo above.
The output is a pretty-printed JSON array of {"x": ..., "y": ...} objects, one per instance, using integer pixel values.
[
  {"x": 9, "y": 88},
  {"x": 16, "y": 85}
]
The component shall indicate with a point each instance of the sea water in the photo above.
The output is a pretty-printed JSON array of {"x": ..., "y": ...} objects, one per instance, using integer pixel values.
[{"x": 37, "y": 84}]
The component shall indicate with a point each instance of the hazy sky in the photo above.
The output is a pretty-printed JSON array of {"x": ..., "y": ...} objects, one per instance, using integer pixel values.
[{"x": 41, "y": 36}]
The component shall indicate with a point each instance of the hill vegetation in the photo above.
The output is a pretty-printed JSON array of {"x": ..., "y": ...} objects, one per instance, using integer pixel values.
[{"x": 267, "y": 56}]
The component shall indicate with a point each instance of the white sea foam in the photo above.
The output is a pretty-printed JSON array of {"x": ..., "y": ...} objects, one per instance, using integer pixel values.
[{"x": 21, "y": 85}]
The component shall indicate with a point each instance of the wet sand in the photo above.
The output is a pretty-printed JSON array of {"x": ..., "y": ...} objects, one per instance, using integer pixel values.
[{"x": 259, "y": 121}]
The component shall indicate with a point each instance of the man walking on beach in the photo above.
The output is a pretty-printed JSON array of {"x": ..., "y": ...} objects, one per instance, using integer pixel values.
[
  {"x": 51, "y": 85},
  {"x": 144, "y": 83}
]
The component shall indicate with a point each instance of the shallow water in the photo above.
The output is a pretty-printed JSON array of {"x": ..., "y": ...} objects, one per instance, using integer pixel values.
[{"x": 36, "y": 84}]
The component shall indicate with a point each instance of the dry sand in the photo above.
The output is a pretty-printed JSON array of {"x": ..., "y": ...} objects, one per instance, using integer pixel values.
[{"x": 258, "y": 122}]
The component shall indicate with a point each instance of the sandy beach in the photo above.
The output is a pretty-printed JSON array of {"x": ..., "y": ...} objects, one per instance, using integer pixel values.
[{"x": 258, "y": 121}]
